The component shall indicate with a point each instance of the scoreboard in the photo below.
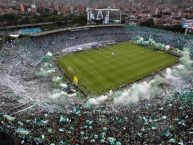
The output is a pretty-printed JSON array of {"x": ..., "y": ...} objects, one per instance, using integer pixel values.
[{"x": 103, "y": 16}]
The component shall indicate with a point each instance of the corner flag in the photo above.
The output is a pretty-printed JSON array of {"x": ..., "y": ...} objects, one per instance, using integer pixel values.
[{"x": 75, "y": 80}]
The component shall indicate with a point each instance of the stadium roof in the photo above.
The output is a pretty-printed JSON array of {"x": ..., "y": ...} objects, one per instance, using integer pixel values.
[
  {"x": 25, "y": 25},
  {"x": 72, "y": 29}
]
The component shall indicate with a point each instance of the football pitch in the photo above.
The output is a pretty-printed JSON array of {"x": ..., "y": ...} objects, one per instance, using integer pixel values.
[{"x": 101, "y": 70}]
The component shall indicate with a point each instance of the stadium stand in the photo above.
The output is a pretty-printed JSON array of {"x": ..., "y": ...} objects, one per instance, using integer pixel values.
[
  {"x": 131, "y": 125},
  {"x": 30, "y": 50}
]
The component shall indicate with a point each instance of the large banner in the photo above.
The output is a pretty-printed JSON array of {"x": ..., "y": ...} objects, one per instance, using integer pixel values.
[
  {"x": 187, "y": 24},
  {"x": 103, "y": 16}
]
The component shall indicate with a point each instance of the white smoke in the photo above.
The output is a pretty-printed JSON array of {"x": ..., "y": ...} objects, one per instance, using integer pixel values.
[
  {"x": 58, "y": 97},
  {"x": 186, "y": 61},
  {"x": 169, "y": 75},
  {"x": 63, "y": 85},
  {"x": 167, "y": 47},
  {"x": 56, "y": 79},
  {"x": 134, "y": 94},
  {"x": 49, "y": 54},
  {"x": 145, "y": 90},
  {"x": 96, "y": 101},
  {"x": 184, "y": 68},
  {"x": 171, "y": 78},
  {"x": 125, "y": 97}
]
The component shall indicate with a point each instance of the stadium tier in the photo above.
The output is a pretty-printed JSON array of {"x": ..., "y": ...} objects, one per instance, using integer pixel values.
[{"x": 30, "y": 50}]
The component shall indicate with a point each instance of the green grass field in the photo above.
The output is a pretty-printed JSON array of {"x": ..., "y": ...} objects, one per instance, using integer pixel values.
[{"x": 99, "y": 71}]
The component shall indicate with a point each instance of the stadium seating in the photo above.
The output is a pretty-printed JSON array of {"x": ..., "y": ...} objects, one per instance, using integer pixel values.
[
  {"x": 135, "y": 125},
  {"x": 29, "y": 50}
]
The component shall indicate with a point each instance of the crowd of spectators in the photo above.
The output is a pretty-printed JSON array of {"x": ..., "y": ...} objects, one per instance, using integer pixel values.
[
  {"x": 29, "y": 51},
  {"x": 168, "y": 38},
  {"x": 151, "y": 121}
]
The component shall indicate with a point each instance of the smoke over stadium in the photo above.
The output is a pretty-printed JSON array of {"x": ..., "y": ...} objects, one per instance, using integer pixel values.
[{"x": 112, "y": 84}]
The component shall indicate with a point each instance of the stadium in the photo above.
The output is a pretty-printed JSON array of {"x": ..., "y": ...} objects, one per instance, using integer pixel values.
[{"x": 98, "y": 84}]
